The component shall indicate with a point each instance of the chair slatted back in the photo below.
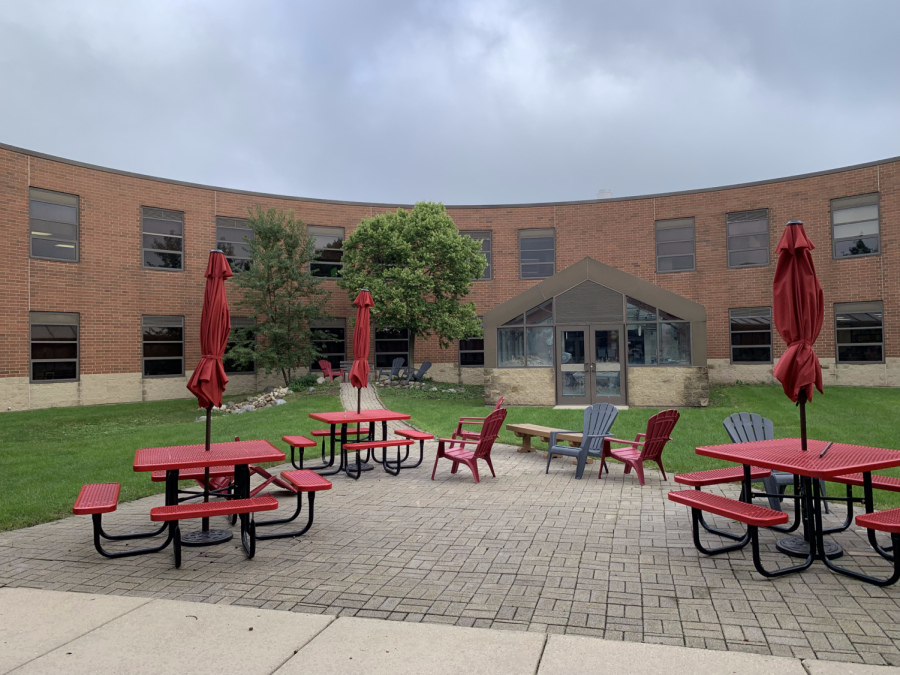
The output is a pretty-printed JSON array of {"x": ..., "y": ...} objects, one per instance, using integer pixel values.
[
  {"x": 499, "y": 403},
  {"x": 659, "y": 432},
  {"x": 420, "y": 375},
  {"x": 489, "y": 432},
  {"x": 326, "y": 368},
  {"x": 745, "y": 427},
  {"x": 598, "y": 420},
  {"x": 396, "y": 365}
]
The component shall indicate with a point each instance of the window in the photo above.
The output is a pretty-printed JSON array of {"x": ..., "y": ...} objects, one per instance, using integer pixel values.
[
  {"x": 859, "y": 332},
  {"x": 389, "y": 344},
  {"x": 329, "y": 251},
  {"x": 485, "y": 238},
  {"x": 471, "y": 351},
  {"x": 333, "y": 347},
  {"x": 751, "y": 334},
  {"x": 855, "y": 226},
  {"x": 527, "y": 340},
  {"x": 163, "y": 238},
  {"x": 675, "y": 245},
  {"x": 655, "y": 337},
  {"x": 163, "y": 345},
  {"x": 232, "y": 235},
  {"x": 54, "y": 347},
  {"x": 234, "y": 339},
  {"x": 54, "y": 225},
  {"x": 536, "y": 254},
  {"x": 748, "y": 238}
]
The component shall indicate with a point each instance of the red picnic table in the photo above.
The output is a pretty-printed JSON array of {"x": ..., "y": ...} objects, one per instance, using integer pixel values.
[
  {"x": 345, "y": 418},
  {"x": 240, "y": 454},
  {"x": 841, "y": 459}
]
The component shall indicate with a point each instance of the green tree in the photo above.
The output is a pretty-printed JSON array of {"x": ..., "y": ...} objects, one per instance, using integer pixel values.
[
  {"x": 280, "y": 294},
  {"x": 418, "y": 268}
]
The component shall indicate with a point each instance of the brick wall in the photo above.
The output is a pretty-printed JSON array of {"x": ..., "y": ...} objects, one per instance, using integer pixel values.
[{"x": 111, "y": 291}]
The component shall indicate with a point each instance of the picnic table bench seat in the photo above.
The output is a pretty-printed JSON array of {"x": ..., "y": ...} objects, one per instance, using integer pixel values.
[
  {"x": 299, "y": 481},
  {"x": 94, "y": 500},
  {"x": 351, "y": 431},
  {"x": 195, "y": 474},
  {"x": 883, "y": 521},
  {"x": 175, "y": 513},
  {"x": 374, "y": 445},
  {"x": 300, "y": 442},
  {"x": 878, "y": 482},
  {"x": 731, "y": 474},
  {"x": 528, "y": 431},
  {"x": 415, "y": 435}
]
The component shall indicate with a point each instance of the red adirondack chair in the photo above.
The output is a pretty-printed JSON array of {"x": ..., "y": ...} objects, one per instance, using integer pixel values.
[
  {"x": 327, "y": 372},
  {"x": 457, "y": 454},
  {"x": 659, "y": 429},
  {"x": 473, "y": 435}
]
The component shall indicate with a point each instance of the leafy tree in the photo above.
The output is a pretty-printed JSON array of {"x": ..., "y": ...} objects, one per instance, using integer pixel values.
[
  {"x": 418, "y": 268},
  {"x": 280, "y": 294}
]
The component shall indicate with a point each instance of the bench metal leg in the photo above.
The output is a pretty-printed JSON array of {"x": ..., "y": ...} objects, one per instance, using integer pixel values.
[
  {"x": 98, "y": 533},
  {"x": 311, "y": 499},
  {"x": 753, "y": 531},
  {"x": 392, "y": 468},
  {"x": 421, "y": 456},
  {"x": 248, "y": 534},
  {"x": 696, "y": 520}
]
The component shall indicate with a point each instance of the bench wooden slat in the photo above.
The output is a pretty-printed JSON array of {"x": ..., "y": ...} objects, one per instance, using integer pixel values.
[
  {"x": 751, "y": 514},
  {"x": 97, "y": 498},
  {"x": 368, "y": 445},
  {"x": 731, "y": 474},
  {"x": 206, "y": 509}
]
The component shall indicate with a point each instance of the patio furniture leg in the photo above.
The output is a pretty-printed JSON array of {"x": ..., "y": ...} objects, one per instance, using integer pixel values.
[
  {"x": 358, "y": 467},
  {"x": 122, "y": 537},
  {"x": 697, "y": 519},
  {"x": 474, "y": 467},
  {"x": 870, "y": 508},
  {"x": 455, "y": 468},
  {"x": 490, "y": 466},
  {"x": 248, "y": 534},
  {"x": 175, "y": 534},
  {"x": 421, "y": 456},
  {"x": 661, "y": 469},
  {"x": 311, "y": 500},
  {"x": 581, "y": 463},
  {"x": 722, "y": 533},
  {"x": 387, "y": 464},
  {"x": 753, "y": 531},
  {"x": 98, "y": 532}
]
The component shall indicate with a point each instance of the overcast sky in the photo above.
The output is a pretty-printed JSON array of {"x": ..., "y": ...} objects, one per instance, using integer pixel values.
[{"x": 461, "y": 102}]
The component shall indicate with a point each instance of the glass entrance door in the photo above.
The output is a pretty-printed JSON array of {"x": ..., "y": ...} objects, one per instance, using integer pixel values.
[{"x": 590, "y": 365}]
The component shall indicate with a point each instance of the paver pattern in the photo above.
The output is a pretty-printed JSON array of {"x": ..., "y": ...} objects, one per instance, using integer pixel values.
[{"x": 523, "y": 551}]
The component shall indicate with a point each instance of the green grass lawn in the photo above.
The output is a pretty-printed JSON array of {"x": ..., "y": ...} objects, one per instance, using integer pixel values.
[
  {"x": 47, "y": 455},
  {"x": 864, "y": 416}
]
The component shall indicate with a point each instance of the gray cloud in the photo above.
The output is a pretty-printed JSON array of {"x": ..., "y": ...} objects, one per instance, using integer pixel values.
[{"x": 463, "y": 102}]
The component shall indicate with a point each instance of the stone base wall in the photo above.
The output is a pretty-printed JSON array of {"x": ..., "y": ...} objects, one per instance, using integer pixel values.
[
  {"x": 520, "y": 386},
  {"x": 16, "y": 393},
  {"x": 668, "y": 387},
  {"x": 453, "y": 373},
  {"x": 722, "y": 372}
]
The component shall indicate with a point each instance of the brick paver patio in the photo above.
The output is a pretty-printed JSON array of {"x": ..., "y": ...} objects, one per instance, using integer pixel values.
[{"x": 524, "y": 551}]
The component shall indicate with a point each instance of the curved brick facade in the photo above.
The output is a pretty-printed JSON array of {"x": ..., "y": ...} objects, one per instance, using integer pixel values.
[{"x": 111, "y": 291}]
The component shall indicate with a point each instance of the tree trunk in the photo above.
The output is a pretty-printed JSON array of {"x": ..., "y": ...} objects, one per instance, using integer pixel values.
[{"x": 286, "y": 375}]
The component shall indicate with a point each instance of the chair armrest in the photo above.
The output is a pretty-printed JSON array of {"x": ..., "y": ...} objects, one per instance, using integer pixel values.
[
  {"x": 621, "y": 442},
  {"x": 472, "y": 418},
  {"x": 456, "y": 440},
  {"x": 640, "y": 435},
  {"x": 554, "y": 434},
  {"x": 463, "y": 421}
]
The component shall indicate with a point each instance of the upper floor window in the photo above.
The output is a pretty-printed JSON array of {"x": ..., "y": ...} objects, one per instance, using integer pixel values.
[
  {"x": 163, "y": 345},
  {"x": 163, "y": 238},
  {"x": 537, "y": 255},
  {"x": 54, "y": 346},
  {"x": 855, "y": 226},
  {"x": 751, "y": 334},
  {"x": 485, "y": 238},
  {"x": 859, "y": 332},
  {"x": 329, "y": 251},
  {"x": 748, "y": 238},
  {"x": 239, "y": 336},
  {"x": 54, "y": 225},
  {"x": 232, "y": 237},
  {"x": 675, "y": 245}
]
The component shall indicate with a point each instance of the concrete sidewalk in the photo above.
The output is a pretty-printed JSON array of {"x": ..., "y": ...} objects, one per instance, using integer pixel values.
[{"x": 74, "y": 633}]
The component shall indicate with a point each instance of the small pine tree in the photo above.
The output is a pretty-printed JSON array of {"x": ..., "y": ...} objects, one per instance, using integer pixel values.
[{"x": 280, "y": 294}]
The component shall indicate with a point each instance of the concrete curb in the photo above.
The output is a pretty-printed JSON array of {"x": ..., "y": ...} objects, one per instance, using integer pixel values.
[{"x": 51, "y": 631}]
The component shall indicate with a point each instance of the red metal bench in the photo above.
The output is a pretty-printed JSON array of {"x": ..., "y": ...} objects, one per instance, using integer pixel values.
[
  {"x": 881, "y": 521},
  {"x": 178, "y": 512},
  {"x": 414, "y": 435},
  {"x": 299, "y": 481},
  {"x": 295, "y": 442},
  {"x": 326, "y": 433},
  {"x": 347, "y": 448},
  {"x": 731, "y": 474},
  {"x": 196, "y": 474},
  {"x": 878, "y": 482},
  {"x": 99, "y": 498}
]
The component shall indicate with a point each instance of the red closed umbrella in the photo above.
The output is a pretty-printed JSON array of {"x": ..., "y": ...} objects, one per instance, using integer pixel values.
[
  {"x": 799, "y": 309},
  {"x": 359, "y": 373},
  {"x": 208, "y": 380}
]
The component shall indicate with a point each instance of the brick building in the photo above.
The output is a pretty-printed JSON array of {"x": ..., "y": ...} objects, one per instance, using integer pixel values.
[{"x": 638, "y": 300}]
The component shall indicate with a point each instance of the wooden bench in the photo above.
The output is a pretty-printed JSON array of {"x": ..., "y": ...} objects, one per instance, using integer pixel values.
[
  {"x": 242, "y": 507},
  {"x": 528, "y": 431},
  {"x": 414, "y": 435},
  {"x": 372, "y": 445},
  {"x": 299, "y": 481},
  {"x": 98, "y": 498}
]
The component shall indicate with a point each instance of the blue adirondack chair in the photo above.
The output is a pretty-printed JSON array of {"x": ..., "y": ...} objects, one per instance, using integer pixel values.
[
  {"x": 598, "y": 421},
  {"x": 419, "y": 375},
  {"x": 395, "y": 369}
]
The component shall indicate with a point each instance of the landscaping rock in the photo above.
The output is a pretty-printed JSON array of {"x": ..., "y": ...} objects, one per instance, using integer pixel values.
[
  {"x": 311, "y": 389},
  {"x": 202, "y": 418},
  {"x": 247, "y": 408},
  {"x": 320, "y": 380},
  {"x": 433, "y": 389},
  {"x": 279, "y": 401},
  {"x": 268, "y": 390}
]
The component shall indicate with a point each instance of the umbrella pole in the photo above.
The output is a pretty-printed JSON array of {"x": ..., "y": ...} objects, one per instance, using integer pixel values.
[
  {"x": 802, "y": 402},
  {"x": 205, "y": 521},
  {"x": 358, "y": 400}
]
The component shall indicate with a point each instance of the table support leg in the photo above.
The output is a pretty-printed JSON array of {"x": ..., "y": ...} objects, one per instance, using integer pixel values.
[{"x": 809, "y": 544}]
